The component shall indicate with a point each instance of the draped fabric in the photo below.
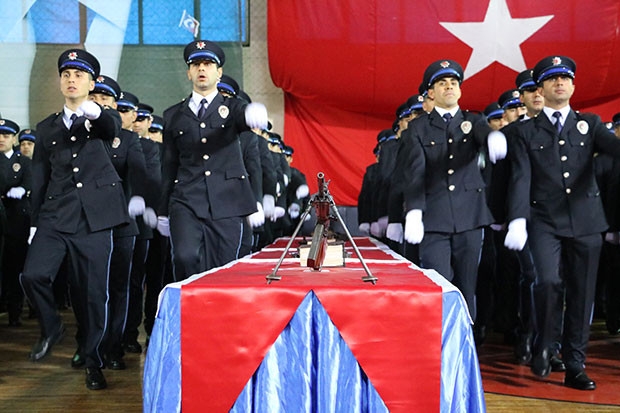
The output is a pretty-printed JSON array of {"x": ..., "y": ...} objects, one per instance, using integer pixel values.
[{"x": 345, "y": 66}]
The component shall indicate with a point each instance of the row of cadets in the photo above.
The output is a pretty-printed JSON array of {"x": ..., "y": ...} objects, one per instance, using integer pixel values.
[
  {"x": 297, "y": 192},
  {"x": 206, "y": 193},
  {"x": 15, "y": 186}
]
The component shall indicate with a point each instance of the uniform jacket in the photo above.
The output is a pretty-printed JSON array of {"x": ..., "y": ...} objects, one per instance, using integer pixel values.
[
  {"x": 203, "y": 167},
  {"x": 366, "y": 195},
  {"x": 73, "y": 175},
  {"x": 437, "y": 171},
  {"x": 552, "y": 177},
  {"x": 16, "y": 171},
  {"x": 152, "y": 193}
]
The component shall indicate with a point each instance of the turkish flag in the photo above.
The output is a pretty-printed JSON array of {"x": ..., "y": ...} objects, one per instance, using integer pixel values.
[{"x": 345, "y": 66}]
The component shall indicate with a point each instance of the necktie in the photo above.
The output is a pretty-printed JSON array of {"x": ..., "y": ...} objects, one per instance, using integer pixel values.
[
  {"x": 203, "y": 108},
  {"x": 72, "y": 120},
  {"x": 558, "y": 124},
  {"x": 447, "y": 117}
]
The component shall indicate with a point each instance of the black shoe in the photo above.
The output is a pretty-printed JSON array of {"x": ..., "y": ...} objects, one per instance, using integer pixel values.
[
  {"x": 613, "y": 327},
  {"x": 78, "y": 359},
  {"x": 133, "y": 347},
  {"x": 540, "y": 364},
  {"x": 523, "y": 349},
  {"x": 557, "y": 365},
  {"x": 115, "y": 363},
  {"x": 95, "y": 379},
  {"x": 580, "y": 381},
  {"x": 44, "y": 346}
]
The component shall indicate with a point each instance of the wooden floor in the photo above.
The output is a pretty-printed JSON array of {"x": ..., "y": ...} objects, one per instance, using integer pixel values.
[{"x": 53, "y": 386}]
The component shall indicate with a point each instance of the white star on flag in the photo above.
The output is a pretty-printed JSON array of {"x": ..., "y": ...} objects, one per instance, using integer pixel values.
[{"x": 496, "y": 39}]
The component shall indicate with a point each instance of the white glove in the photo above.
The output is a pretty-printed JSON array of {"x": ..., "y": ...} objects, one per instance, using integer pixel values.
[
  {"x": 293, "y": 210},
  {"x": 150, "y": 217},
  {"x": 375, "y": 230},
  {"x": 395, "y": 232},
  {"x": 256, "y": 116},
  {"x": 383, "y": 223},
  {"x": 17, "y": 192},
  {"x": 33, "y": 231},
  {"x": 285, "y": 178},
  {"x": 414, "y": 227},
  {"x": 497, "y": 146},
  {"x": 136, "y": 206},
  {"x": 498, "y": 227},
  {"x": 364, "y": 228},
  {"x": 302, "y": 191},
  {"x": 516, "y": 235},
  {"x": 90, "y": 109},
  {"x": 257, "y": 218},
  {"x": 163, "y": 226},
  {"x": 269, "y": 205},
  {"x": 612, "y": 238},
  {"x": 278, "y": 213}
]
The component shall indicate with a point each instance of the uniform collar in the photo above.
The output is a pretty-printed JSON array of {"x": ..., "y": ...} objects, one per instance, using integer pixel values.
[{"x": 9, "y": 154}]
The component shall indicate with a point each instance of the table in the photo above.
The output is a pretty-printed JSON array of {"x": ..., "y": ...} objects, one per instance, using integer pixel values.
[{"x": 297, "y": 369}]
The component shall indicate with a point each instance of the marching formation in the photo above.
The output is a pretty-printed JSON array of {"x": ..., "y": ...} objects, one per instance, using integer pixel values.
[
  {"x": 513, "y": 206},
  {"x": 105, "y": 202}
]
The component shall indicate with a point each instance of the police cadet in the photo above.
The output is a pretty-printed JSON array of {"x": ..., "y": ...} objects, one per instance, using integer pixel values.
[
  {"x": 437, "y": 169},
  {"x": 77, "y": 198},
  {"x": 128, "y": 160},
  {"x": 27, "y": 139},
  {"x": 15, "y": 185},
  {"x": 555, "y": 205},
  {"x": 206, "y": 193}
]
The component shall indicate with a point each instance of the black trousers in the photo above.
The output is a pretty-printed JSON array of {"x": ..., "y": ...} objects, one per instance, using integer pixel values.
[
  {"x": 456, "y": 257},
  {"x": 89, "y": 256},
  {"x": 13, "y": 257},
  {"x": 201, "y": 244},
  {"x": 564, "y": 266},
  {"x": 136, "y": 290}
]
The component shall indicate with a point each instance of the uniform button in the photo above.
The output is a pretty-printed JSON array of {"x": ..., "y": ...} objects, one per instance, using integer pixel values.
[
  {"x": 176, "y": 181},
  {"x": 581, "y": 144},
  {"x": 566, "y": 174},
  {"x": 432, "y": 143},
  {"x": 464, "y": 139},
  {"x": 242, "y": 176},
  {"x": 79, "y": 185},
  {"x": 53, "y": 142},
  {"x": 568, "y": 190},
  {"x": 76, "y": 169},
  {"x": 564, "y": 158},
  {"x": 208, "y": 173},
  {"x": 203, "y": 140},
  {"x": 202, "y": 125},
  {"x": 450, "y": 140},
  {"x": 75, "y": 155},
  {"x": 73, "y": 139},
  {"x": 114, "y": 156},
  {"x": 451, "y": 156},
  {"x": 180, "y": 132},
  {"x": 561, "y": 142},
  {"x": 205, "y": 157},
  {"x": 450, "y": 171},
  {"x": 451, "y": 188}
]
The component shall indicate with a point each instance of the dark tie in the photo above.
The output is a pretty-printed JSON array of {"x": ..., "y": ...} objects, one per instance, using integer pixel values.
[
  {"x": 72, "y": 120},
  {"x": 203, "y": 108},
  {"x": 447, "y": 117},
  {"x": 558, "y": 124}
]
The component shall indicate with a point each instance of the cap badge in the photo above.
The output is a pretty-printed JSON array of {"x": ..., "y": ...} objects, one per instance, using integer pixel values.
[
  {"x": 444, "y": 64},
  {"x": 1, "y": 122},
  {"x": 116, "y": 143},
  {"x": 466, "y": 127},
  {"x": 16, "y": 167},
  {"x": 223, "y": 111},
  {"x": 122, "y": 96},
  {"x": 556, "y": 61},
  {"x": 72, "y": 56},
  {"x": 583, "y": 127},
  {"x": 101, "y": 79},
  {"x": 420, "y": 98},
  {"x": 515, "y": 93},
  {"x": 27, "y": 131},
  {"x": 201, "y": 45}
]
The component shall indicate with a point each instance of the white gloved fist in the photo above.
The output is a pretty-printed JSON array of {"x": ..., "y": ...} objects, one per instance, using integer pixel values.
[
  {"x": 302, "y": 191},
  {"x": 612, "y": 238},
  {"x": 293, "y": 210},
  {"x": 256, "y": 116},
  {"x": 90, "y": 110},
  {"x": 375, "y": 230},
  {"x": 516, "y": 237},
  {"x": 414, "y": 227},
  {"x": 383, "y": 223},
  {"x": 364, "y": 228},
  {"x": 257, "y": 218},
  {"x": 497, "y": 145},
  {"x": 17, "y": 192},
  {"x": 498, "y": 227},
  {"x": 33, "y": 230},
  {"x": 278, "y": 213},
  {"x": 269, "y": 206},
  {"x": 136, "y": 206},
  {"x": 163, "y": 226},
  {"x": 149, "y": 217},
  {"x": 395, "y": 232}
]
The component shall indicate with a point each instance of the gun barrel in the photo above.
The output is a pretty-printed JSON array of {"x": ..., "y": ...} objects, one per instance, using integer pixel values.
[{"x": 320, "y": 177}]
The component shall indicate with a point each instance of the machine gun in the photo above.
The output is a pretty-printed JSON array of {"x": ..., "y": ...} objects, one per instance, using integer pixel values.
[{"x": 323, "y": 204}]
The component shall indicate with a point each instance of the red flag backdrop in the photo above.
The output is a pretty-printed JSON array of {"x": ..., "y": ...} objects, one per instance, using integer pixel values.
[{"x": 346, "y": 65}]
